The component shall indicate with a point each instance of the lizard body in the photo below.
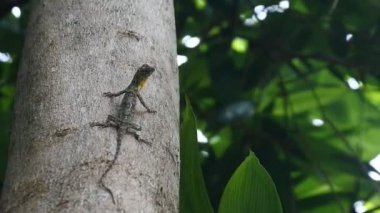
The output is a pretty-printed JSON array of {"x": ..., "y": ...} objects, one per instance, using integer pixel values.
[{"x": 123, "y": 122}]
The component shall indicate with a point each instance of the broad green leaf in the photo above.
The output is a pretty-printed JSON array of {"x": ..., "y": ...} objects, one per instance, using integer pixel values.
[
  {"x": 193, "y": 194},
  {"x": 250, "y": 189},
  {"x": 305, "y": 101}
]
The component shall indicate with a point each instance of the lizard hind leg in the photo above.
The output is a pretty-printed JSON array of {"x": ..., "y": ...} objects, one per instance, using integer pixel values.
[
  {"x": 130, "y": 125},
  {"x": 103, "y": 124},
  {"x": 122, "y": 123},
  {"x": 110, "y": 122},
  {"x": 130, "y": 131}
]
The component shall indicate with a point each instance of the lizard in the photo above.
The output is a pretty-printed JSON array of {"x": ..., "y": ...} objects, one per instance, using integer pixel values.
[{"x": 123, "y": 122}]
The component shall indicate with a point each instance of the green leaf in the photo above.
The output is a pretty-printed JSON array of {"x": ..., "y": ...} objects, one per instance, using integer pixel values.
[
  {"x": 200, "y": 4},
  {"x": 250, "y": 189},
  {"x": 300, "y": 6},
  {"x": 221, "y": 142},
  {"x": 304, "y": 100},
  {"x": 193, "y": 194},
  {"x": 240, "y": 45}
]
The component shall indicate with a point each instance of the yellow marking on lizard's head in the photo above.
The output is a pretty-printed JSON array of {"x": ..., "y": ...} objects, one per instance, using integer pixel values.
[{"x": 142, "y": 75}]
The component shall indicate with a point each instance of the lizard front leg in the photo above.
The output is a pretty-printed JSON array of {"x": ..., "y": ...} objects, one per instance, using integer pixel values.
[
  {"x": 144, "y": 104},
  {"x": 111, "y": 95}
]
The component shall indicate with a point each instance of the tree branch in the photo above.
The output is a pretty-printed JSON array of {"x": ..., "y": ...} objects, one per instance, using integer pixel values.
[
  {"x": 322, "y": 57},
  {"x": 329, "y": 59},
  {"x": 333, "y": 7}
]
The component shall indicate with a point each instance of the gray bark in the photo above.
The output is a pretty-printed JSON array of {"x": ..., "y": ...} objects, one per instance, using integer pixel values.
[{"x": 74, "y": 51}]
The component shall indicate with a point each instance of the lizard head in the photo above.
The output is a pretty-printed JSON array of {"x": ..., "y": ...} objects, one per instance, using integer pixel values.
[{"x": 142, "y": 75}]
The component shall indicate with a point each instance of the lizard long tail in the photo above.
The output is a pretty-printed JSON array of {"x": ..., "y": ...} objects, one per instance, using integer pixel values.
[{"x": 110, "y": 166}]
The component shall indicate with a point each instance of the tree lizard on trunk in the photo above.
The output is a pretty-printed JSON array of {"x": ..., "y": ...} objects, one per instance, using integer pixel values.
[{"x": 123, "y": 122}]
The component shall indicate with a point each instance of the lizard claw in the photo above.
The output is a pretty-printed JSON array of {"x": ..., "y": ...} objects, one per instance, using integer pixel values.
[
  {"x": 107, "y": 94},
  {"x": 138, "y": 138},
  {"x": 152, "y": 111},
  {"x": 145, "y": 141}
]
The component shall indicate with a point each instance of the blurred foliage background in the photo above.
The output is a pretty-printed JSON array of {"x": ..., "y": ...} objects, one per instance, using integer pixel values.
[{"x": 296, "y": 82}]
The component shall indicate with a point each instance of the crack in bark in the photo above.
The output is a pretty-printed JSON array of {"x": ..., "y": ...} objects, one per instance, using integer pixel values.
[{"x": 64, "y": 132}]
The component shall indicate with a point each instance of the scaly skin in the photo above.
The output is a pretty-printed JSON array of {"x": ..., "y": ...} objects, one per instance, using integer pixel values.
[{"x": 124, "y": 120}]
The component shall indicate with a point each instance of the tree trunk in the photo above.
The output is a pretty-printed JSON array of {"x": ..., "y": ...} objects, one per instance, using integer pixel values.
[{"x": 75, "y": 51}]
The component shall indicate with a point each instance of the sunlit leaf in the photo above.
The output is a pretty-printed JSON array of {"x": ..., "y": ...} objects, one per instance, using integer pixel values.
[
  {"x": 221, "y": 142},
  {"x": 303, "y": 101},
  {"x": 200, "y": 4},
  {"x": 240, "y": 45}
]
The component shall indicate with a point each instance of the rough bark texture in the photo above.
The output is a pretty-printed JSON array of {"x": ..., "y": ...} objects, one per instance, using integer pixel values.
[{"x": 75, "y": 51}]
